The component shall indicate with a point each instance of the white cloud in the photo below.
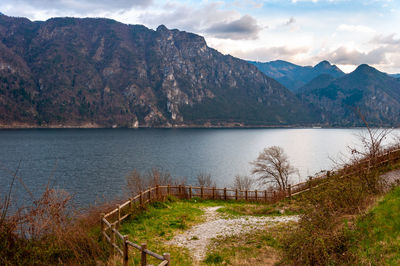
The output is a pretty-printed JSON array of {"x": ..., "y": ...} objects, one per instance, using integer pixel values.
[
  {"x": 245, "y": 27},
  {"x": 355, "y": 28},
  {"x": 389, "y": 39},
  {"x": 264, "y": 54}
]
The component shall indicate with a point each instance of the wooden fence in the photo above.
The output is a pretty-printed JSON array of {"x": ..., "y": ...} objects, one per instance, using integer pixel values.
[
  {"x": 120, "y": 244},
  {"x": 363, "y": 166}
]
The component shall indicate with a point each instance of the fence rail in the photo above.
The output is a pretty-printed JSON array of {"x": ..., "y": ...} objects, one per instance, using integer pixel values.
[{"x": 111, "y": 221}]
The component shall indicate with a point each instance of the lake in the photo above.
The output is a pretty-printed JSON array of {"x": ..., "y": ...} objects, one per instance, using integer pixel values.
[{"x": 92, "y": 163}]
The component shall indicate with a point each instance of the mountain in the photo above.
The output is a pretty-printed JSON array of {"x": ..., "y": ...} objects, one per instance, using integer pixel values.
[
  {"x": 99, "y": 72},
  {"x": 294, "y": 76},
  {"x": 374, "y": 93},
  {"x": 395, "y": 75}
]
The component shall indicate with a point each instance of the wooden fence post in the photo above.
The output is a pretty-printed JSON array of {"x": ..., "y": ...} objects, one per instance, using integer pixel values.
[
  {"x": 290, "y": 191},
  {"x": 274, "y": 195},
  {"x": 179, "y": 191},
  {"x": 190, "y": 192},
  {"x": 328, "y": 174},
  {"x": 213, "y": 192},
  {"x": 141, "y": 198},
  {"x": 310, "y": 183},
  {"x": 256, "y": 195},
  {"x": 201, "y": 192},
  {"x": 149, "y": 194},
  {"x": 245, "y": 195},
  {"x": 119, "y": 216},
  {"x": 157, "y": 193},
  {"x": 112, "y": 242},
  {"x": 265, "y": 196},
  {"x": 167, "y": 257},
  {"x": 236, "y": 194},
  {"x": 224, "y": 193},
  {"x": 126, "y": 250},
  {"x": 130, "y": 205},
  {"x": 143, "y": 260},
  {"x": 102, "y": 225},
  {"x": 169, "y": 190}
]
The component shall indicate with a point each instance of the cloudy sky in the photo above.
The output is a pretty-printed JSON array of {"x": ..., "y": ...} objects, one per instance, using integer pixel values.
[{"x": 345, "y": 32}]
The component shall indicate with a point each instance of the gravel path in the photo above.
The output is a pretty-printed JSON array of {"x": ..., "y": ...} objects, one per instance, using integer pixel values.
[
  {"x": 391, "y": 178},
  {"x": 197, "y": 238}
]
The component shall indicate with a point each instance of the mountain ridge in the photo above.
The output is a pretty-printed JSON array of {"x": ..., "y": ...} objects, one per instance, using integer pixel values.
[
  {"x": 100, "y": 72},
  {"x": 295, "y": 76},
  {"x": 374, "y": 93}
]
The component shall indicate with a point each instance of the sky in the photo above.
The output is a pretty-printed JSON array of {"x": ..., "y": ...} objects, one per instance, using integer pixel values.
[{"x": 344, "y": 32}]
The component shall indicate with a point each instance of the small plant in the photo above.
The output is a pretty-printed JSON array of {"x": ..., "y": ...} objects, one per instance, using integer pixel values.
[{"x": 213, "y": 258}]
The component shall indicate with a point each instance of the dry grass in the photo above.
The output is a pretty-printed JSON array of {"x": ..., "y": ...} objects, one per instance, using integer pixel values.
[
  {"x": 256, "y": 248},
  {"x": 48, "y": 232},
  {"x": 324, "y": 233}
]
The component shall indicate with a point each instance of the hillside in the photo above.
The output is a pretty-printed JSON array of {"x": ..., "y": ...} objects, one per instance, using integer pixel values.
[
  {"x": 294, "y": 76},
  {"x": 376, "y": 94},
  {"x": 99, "y": 72}
]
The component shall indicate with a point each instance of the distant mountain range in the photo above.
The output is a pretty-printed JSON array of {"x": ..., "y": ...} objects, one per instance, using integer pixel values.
[
  {"x": 294, "y": 76},
  {"x": 374, "y": 93},
  {"x": 71, "y": 72},
  {"x": 99, "y": 72}
]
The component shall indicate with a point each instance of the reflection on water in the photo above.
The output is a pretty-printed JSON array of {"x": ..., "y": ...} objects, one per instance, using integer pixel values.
[{"x": 92, "y": 163}]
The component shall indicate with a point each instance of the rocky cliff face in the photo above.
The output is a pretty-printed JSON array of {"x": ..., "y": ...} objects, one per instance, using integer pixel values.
[{"x": 69, "y": 71}]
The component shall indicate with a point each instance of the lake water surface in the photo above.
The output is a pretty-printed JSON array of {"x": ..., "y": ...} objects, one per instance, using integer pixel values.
[{"x": 92, "y": 163}]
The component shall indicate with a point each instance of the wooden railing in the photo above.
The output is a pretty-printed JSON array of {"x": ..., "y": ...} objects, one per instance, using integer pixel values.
[
  {"x": 120, "y": 244},
  {"x": 363, "y": 166}
]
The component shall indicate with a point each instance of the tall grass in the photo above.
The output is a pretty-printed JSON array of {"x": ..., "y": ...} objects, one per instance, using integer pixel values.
[
  {"x": 325, "y": 231},
  {"x": 47, "y": 231}
]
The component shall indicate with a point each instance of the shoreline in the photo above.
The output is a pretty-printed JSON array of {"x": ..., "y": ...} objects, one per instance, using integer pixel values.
[{"x": 188, "y": 127}]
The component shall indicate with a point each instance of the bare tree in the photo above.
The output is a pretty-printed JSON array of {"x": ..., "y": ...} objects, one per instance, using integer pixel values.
[
  {"x": 136, "y": 181},
  {"x": 243, "y": 182},
  {"x": 372, "y": 141},
  {"x": 273, "y": 168},
  {"x": 205, "y": 180}
]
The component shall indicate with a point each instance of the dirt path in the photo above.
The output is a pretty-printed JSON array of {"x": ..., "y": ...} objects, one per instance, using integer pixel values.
[{"x": 197, "y": 238}]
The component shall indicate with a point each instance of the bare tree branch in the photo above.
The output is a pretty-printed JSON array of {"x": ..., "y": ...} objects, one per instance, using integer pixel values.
[{"x": 272, "y": 166}]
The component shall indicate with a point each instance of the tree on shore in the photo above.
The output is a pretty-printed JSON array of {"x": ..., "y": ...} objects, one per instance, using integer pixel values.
[
  {"x": 273, "y": 168},
  {"x": 243, "y": 182},
  {"x": 205, "y": 180}
]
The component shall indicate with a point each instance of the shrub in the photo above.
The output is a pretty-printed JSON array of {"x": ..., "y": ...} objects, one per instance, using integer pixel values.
[
  {"x": 243, "y": 183},
  {"x": 136, "y": 181},
  {"x": 48, "y": 232}
]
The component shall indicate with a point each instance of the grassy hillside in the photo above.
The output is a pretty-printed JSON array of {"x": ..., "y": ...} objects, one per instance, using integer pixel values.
[{"x": 376, "y": 239}]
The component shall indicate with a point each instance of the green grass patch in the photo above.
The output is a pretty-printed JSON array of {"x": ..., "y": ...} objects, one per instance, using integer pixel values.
[
  {"x": 158, "y": 223},
  {"x": 260, "y": 209},
  {"x": 377, "y": 236},
  {"x": 161, "y": 221}
]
